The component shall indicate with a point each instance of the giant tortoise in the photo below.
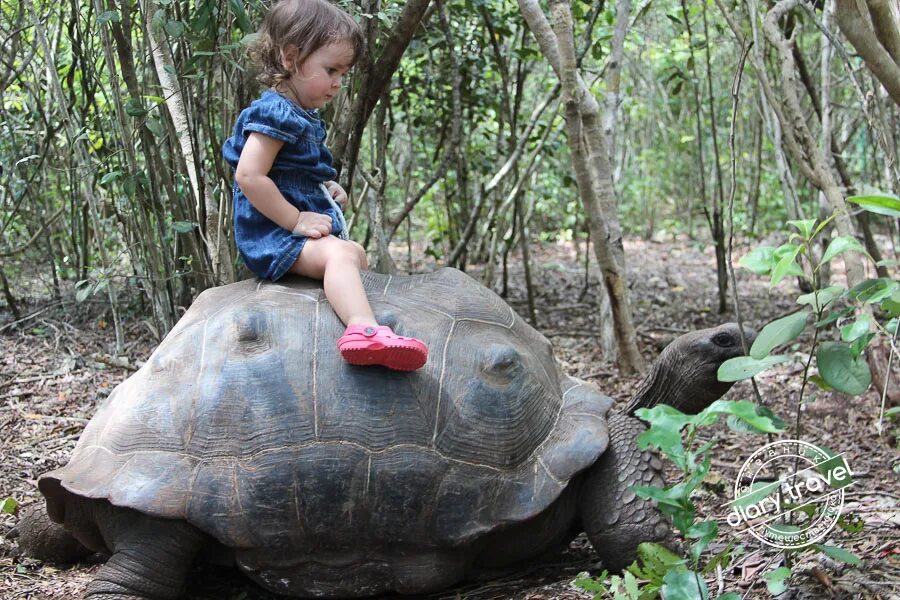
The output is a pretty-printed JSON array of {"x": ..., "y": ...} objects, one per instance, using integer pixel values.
[{"x": 245, "y": 434}]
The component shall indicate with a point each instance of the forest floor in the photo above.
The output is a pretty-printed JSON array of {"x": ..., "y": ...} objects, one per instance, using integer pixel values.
[{"x": 55, "y": 369}]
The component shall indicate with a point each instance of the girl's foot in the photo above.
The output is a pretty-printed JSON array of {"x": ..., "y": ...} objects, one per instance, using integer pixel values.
[{"x": 379, "y": 345}]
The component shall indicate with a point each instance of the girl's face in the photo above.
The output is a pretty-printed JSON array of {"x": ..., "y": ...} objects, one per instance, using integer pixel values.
[{"x": 318, "y": 79}]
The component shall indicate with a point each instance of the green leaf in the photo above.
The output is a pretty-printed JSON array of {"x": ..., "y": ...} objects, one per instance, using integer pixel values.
[
  {"x": 873, "y": 291},
  {"x": 183, "y": 226},
  {"x": 819, "y": 299},
  {"x": 657, "y": 560},
  {"x": 883, "y": 204},
  {"x": 776, "y": 580},
  {"x": 842, "y": 244},
  {"x": 155, "y": 126},
  {"x": 760, "y": 260},
  {"x": 856, "y": 329},
  {"x": 777, "y": 333},
  {"x": 892, "y": 305},
  {"x": 109, "y": 16},
  {"x": 9, "y": 506},
  {"x": 745, "y": 367},
  {"x": 158, "y": 20},
  {"x": 631, "y": 585},
  {"x": 823, "y": 225},
  {"x": 834, "y": 470},
  {"x": 703, "y": 532},
  {"x": 851, "y": 523},
  {"x": 860, "y": 343},
  {"x": 891, "y": 326},
  {"x": 175, "y": 29},
  {"x": 134, "y": 108},
  {"x": 83, "y": 290},
  {"x": 841, "y": 371},
  {"x": 838, "y": 554},
  {"x": 589, "y": 584},
  {"x": 805, "y": 227},
  {"x": 721, "y": 559},
  {"x": 240, "y": 15},
  {"x": 670, "y": 496},
  {"x": 758, "y": 418},
  {"x": 682, "y": 584},
  {"x": 835, "y": 315},
  {"x": 786, "y": 266},
  {"x": 110, "y": 177},
  {"x": 759, "y": 491}
]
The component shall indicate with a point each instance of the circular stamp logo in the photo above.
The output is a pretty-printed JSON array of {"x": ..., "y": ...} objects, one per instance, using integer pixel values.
[{"x": 789, "y": 493}]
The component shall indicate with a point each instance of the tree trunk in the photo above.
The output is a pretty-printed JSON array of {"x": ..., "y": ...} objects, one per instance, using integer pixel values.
[
  {"x": 801, "y": 142},
  {"x": 614, "y": 74},
  {"x": 8, "y": 296},
  {"x": 81, "y": 162},
  {"x": 349, "y": 128},
  {"x": 826, "y": 54},
  {"x": 753, "y": 194},
  {"x": 216, "y": 251},
  {"x": 383, "y": 262},
  {"x": 592, "y": 168},
  {"x": 876, "y": 36}
]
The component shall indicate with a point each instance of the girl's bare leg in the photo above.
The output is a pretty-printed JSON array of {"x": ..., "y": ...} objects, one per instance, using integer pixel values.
[{"x": 337, "y": 263}]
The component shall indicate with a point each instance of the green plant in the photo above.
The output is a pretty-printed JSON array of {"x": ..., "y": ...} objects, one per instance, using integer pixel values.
[
  {"x": 675, "y": 436},
  {"x": 860, "y": 313},
  {"x": 868, "y": 309},
  {"x": 9, "y": 505},
  {"x": 852, "y": 318}
]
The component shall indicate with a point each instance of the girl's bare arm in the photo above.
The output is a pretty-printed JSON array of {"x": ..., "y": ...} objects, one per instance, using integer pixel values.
[{"x": 252, "y": 176}]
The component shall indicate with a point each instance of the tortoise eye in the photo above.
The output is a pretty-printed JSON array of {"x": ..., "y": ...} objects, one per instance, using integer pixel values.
[{"x": 724, "y": 340}]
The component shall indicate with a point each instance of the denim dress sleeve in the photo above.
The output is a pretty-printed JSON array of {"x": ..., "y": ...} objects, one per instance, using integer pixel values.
[
  {"x": 275, "y": 120},
  {"x": 299, "y": 168},
  {"x": 272, "y": 119}
]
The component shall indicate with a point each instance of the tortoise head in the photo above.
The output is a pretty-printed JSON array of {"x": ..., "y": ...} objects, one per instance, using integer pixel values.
[{"x": 685, "y": 374}]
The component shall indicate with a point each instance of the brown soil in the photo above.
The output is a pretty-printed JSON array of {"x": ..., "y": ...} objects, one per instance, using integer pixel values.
[{"x": 54, "y": 371}]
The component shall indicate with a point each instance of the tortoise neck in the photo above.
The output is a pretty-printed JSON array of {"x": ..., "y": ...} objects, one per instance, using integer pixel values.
[{"x": 660, "y": 386}]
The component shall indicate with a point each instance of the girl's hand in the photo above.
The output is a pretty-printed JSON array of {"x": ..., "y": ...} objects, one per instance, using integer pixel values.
[
  {"x": 337, "y": 193},
  {"x": 312, "y": 225}
]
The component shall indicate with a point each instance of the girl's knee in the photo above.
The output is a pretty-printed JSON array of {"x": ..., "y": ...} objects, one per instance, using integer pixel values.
[
  {"x": 319, "y": 254},
  {"x": 363, "y": 260},
  {"x": 349, "y": 252}
]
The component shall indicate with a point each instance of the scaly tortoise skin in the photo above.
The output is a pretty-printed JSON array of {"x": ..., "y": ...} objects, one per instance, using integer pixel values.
[{"x": 245, "y": 432}]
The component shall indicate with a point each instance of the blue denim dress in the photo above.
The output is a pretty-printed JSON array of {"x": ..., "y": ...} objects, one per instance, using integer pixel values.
[{"x": 301, "y": 166}]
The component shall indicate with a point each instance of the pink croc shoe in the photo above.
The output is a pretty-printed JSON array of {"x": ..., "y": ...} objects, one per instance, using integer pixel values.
[{"x": 368, "y": 345}]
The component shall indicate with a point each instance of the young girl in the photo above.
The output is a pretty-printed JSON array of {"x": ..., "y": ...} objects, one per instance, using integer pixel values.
[{"x": 286, "y": 214}]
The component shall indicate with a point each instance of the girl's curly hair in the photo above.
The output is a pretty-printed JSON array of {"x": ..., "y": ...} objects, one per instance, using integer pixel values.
[{"x": 306, "y": 24}]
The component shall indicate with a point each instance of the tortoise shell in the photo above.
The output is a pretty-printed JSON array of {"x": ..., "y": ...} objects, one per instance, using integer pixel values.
[{"x": 246, "y": 423}]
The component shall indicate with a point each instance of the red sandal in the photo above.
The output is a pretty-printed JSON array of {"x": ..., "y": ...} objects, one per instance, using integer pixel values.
[{"x": 370, "y": 345}]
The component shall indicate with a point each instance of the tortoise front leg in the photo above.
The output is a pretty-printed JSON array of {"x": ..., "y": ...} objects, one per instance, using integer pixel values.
[
  {"x": 615, "y": 519},
  {"x": 150, "y": 557},
  {"x": 39, "y": 537}
]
